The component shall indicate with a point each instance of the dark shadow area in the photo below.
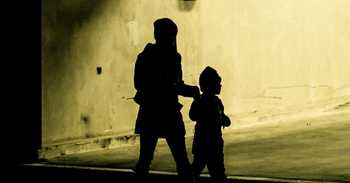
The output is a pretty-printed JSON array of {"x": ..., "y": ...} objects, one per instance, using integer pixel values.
[
  {"x": 186, "y": 5},
  {"x": 21, "y": 69},
  {"x": 60, "y": 20},
  {"x": 22, "y": 74},
  {"x": 26, "y": 40},
  {"x": 43, "y": 174}
]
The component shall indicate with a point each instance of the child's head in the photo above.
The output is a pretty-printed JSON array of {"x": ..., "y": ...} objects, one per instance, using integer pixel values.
[{"x": 210, "y": 81}]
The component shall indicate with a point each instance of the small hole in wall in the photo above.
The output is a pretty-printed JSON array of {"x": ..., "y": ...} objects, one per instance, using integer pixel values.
[
  {"x": 99, "y": 70},
  {"x": 85, "y": 118}
]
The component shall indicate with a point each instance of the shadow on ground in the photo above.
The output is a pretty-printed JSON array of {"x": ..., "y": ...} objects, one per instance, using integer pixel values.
[{"x": 48, "y": 174}]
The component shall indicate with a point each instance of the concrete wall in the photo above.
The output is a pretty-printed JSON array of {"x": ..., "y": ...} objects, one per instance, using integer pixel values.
[
  {"x": 271, "y": 54},
  {"x": 81, "y": 35}
]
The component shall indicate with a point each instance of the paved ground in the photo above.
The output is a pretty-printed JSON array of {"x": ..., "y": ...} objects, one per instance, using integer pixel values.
[
  {"x": 63, "y": 173},
  {"x": 314, "y": 147}
]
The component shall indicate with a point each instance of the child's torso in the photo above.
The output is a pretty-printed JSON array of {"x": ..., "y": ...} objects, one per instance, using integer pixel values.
[{"x": 209, "y": 122}]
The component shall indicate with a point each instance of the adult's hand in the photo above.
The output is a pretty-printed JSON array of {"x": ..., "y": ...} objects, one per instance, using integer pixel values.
[{"x": 196, "y": 93}]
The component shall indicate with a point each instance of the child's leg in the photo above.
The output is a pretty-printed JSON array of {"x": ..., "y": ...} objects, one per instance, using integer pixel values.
[
  {"x": 216, "y": 167},
  {"x": 198, "y": 165}
]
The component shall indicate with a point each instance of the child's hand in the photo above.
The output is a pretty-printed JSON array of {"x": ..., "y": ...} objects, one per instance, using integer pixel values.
[{"x": 225, "y": 121}]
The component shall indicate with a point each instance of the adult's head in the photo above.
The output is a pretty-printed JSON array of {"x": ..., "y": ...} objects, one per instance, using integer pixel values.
[{"x": 165, "y": 31}]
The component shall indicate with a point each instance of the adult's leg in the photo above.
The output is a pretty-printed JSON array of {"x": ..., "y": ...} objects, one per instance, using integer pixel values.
[
  {"x": 178, "y": 149},
  {"x": 148, "y": 143}
]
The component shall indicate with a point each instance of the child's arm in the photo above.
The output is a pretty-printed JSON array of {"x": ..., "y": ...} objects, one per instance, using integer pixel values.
[
  {"x": 194, "y": 110},
  {"x": 225, "y": 120}
]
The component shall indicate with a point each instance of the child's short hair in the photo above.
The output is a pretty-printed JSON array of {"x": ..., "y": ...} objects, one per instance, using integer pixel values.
[{"x": 208, "y": 78}]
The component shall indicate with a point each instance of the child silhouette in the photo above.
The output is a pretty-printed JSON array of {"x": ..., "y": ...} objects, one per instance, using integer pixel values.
[{"x": 208, "y": 112}]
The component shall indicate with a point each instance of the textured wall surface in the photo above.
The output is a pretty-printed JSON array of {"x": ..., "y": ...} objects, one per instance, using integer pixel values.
[
  {"x": 273, "y": 55},
  {"x": 81, "y": 35}
]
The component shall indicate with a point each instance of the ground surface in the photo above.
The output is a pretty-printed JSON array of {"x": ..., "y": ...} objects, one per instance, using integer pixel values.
[{"x": 308, "y": 147}]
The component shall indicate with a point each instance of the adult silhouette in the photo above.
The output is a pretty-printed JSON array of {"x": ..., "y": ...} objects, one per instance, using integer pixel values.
[{"x": 158, "y": 81}]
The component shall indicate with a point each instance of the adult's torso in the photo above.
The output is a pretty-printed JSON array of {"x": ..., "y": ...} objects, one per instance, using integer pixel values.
[{"x": 160, "y": 76}]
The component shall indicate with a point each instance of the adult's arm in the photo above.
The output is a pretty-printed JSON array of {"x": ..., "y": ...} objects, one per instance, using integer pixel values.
[{"x": 182, "y": 88}]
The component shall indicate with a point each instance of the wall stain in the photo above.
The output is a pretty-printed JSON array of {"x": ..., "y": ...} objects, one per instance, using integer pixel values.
[
  {"x": 61, "y": 19},
  {"x": 186, "y": 5},
  {"x": 106, "y": 142},
  {"x": 301, "y": 86},
  {"x": 85, "y": 119},
  {"x": 341, "y": 106}
]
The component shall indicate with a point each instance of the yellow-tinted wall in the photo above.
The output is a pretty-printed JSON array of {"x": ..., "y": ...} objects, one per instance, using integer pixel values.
[
  {"x": 271, "y": 54},
  {"x": 81, "y": 35},
  {"x": 277, "y": 53}
]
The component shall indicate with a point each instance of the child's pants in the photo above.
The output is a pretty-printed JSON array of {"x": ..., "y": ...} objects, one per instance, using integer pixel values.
[{"x": 214, "y": 162}]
